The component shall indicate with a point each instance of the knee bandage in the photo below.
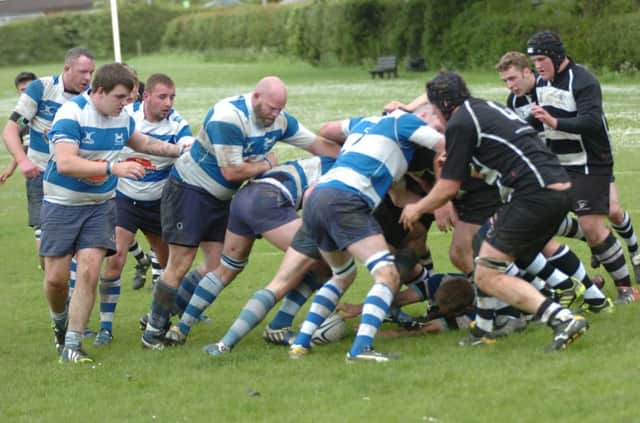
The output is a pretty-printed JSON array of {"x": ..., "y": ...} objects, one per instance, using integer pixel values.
[
  {"x": 346, "y": 270},
  {"x": 233, "y": 264},
  {"x": 380, "y": 259},
  {"x": 501, "y": 266}
]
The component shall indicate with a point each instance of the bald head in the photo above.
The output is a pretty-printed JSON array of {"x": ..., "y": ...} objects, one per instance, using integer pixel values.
[
  {"x": 427, "y": 113},
  {"x": 269, "y": 99}
]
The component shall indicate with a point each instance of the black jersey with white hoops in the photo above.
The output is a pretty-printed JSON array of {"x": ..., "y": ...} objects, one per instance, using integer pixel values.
[
  {"x": 493, "y": 143},
  {"x": 581, "y": 139}
]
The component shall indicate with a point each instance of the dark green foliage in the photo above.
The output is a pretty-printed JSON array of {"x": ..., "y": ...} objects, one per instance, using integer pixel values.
[
  {"x": 47, "y": 39},
  {"x": 451, "y": 34}
]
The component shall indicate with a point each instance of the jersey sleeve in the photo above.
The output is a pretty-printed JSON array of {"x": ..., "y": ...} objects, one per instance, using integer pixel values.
[
  {"x": 588, "y": 96},
  {"x": 65, "y": 126},
  {"x": 415, "y": 130},
  {"x": 227, "y": 138},
  {"x": 296, "y": 134},
  {"x": 28, "y": 101},
  {"x": 461, "y": 139}
]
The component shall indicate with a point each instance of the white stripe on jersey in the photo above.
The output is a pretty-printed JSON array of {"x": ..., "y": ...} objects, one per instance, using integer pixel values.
[
  {"x": 492, "y": 173},
  {"x": 39, "y": 104},
  {"x": 557, "y": 98},
  {"x": 311, "y": 169},
  {"x": 98, "y": 137},
  {"x": 353, "y": 179},
  {"x": 172, "y": 129},
  {"x": 381, "y": 148},
  {"x": 231, "y": 135}
]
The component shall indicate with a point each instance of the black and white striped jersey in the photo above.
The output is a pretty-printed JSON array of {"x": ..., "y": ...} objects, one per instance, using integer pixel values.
[
  {"x": 491, "y": 142},
  {"x": 581, "y": 139},
  {"x": 521, "y": 104}
]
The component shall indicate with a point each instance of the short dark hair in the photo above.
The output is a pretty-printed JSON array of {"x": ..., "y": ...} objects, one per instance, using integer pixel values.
[
  {"x": 454, "y": 295},
  {"x": 158, "y": 78},
  {"x": 24, "y": 77},
  {"x": 447, "y": 91},
  {"x": 111, "y": 75},
  {"x": 515, "y": 59},
  {"x": 76, "y": 52}
]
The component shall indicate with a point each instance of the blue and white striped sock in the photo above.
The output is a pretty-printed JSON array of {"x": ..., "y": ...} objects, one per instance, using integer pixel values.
[
  {"x": 109, "y": 295},
  {"x": 323, "y": 304},
  {"x": 252, "y": 314},
  {"x": 294, "y": 300},
  {"x": 375, "y": 308},
  {"x": 205, "y": 294},
  {"x": 186, "y": 289}
]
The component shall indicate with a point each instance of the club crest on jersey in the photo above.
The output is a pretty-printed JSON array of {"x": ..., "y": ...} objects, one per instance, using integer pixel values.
[
  {"x": 119, "y": 138},
  {"x": 88, "y": 138},
  {"x": 47, "y": 110}
]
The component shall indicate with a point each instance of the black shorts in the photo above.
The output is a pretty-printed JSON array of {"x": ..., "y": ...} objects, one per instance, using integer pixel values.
[
  {"x": 388, "y": 216},
  {"x": 589, "y": 194},
  {"x": 191, "y": 215},
  {"x": 476, "y": 202},
  {"x": 304, "y": 244},
  {"x": 522, "y": 227},
  {"x": 133, "y": 215}
]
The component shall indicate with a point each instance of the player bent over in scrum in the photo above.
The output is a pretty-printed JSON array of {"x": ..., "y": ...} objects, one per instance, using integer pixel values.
[{"x": 496, "y": 145}]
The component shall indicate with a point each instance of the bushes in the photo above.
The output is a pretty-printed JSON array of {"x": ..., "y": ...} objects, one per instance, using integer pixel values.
[
  {"x": 455, "y": 33},
  {"x": 47, "y": 39}
]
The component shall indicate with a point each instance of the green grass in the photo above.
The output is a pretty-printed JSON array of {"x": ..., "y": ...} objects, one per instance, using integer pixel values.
[{"x": 435, "y": 381}]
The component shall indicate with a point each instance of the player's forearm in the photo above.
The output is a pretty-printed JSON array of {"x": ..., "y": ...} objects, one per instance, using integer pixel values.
[
  {"x": 13, "y": 142},
  {"x": 246, "y": 170},
  {"x": 324, "y": 147},
  {"x": 78, "y": 167},
  {"x": 156, "y": 147},
  {"x": 443, "y": 191}
]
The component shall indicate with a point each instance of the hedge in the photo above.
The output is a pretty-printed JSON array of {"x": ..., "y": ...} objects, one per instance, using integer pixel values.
[
  {"x": 46, "y": 39},
  {"x": 455, "y": 33}
]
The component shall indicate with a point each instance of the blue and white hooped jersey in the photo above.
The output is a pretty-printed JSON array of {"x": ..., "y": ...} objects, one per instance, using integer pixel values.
[
  {"x": 39, "y": 104},
  {"x": 99, "y": 138},
  {"x": 231, "y": 135},
  {"x": 295, "y": 176},
  {"x": 374, "y": 156},
  {"x": 173, "y": 130}
]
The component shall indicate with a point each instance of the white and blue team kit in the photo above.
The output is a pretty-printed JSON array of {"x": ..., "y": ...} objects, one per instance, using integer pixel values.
[
  {"x": 99, "y": 138},
  {"x": 231, "y": 135},
  {"x": 39, "y": 104},
  {"x": 370, "y": 168},
  {"x": 295, "y": 176},
  {"x": 173, "y": 130}
]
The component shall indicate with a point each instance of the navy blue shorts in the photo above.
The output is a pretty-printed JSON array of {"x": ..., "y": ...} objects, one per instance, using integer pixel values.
[
  {"x": 522, "y": 227},
  {"x": 259, "y": 207},
  {"x": 191, "y": 215},
  {"x": 337, "y": 218},
  {"x": 67, "y": 229},
  {"x": 133, "y": 215},
  {"x": 35, "y": 194},
  {"x": 303, "y": 243}
]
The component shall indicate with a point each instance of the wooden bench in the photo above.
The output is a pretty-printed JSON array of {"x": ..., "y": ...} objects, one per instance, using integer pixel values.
[{"x": 385, "y": 65}]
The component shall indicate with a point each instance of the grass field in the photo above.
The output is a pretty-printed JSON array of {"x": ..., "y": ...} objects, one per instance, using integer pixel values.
[{"x": 435, "y": 380}]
